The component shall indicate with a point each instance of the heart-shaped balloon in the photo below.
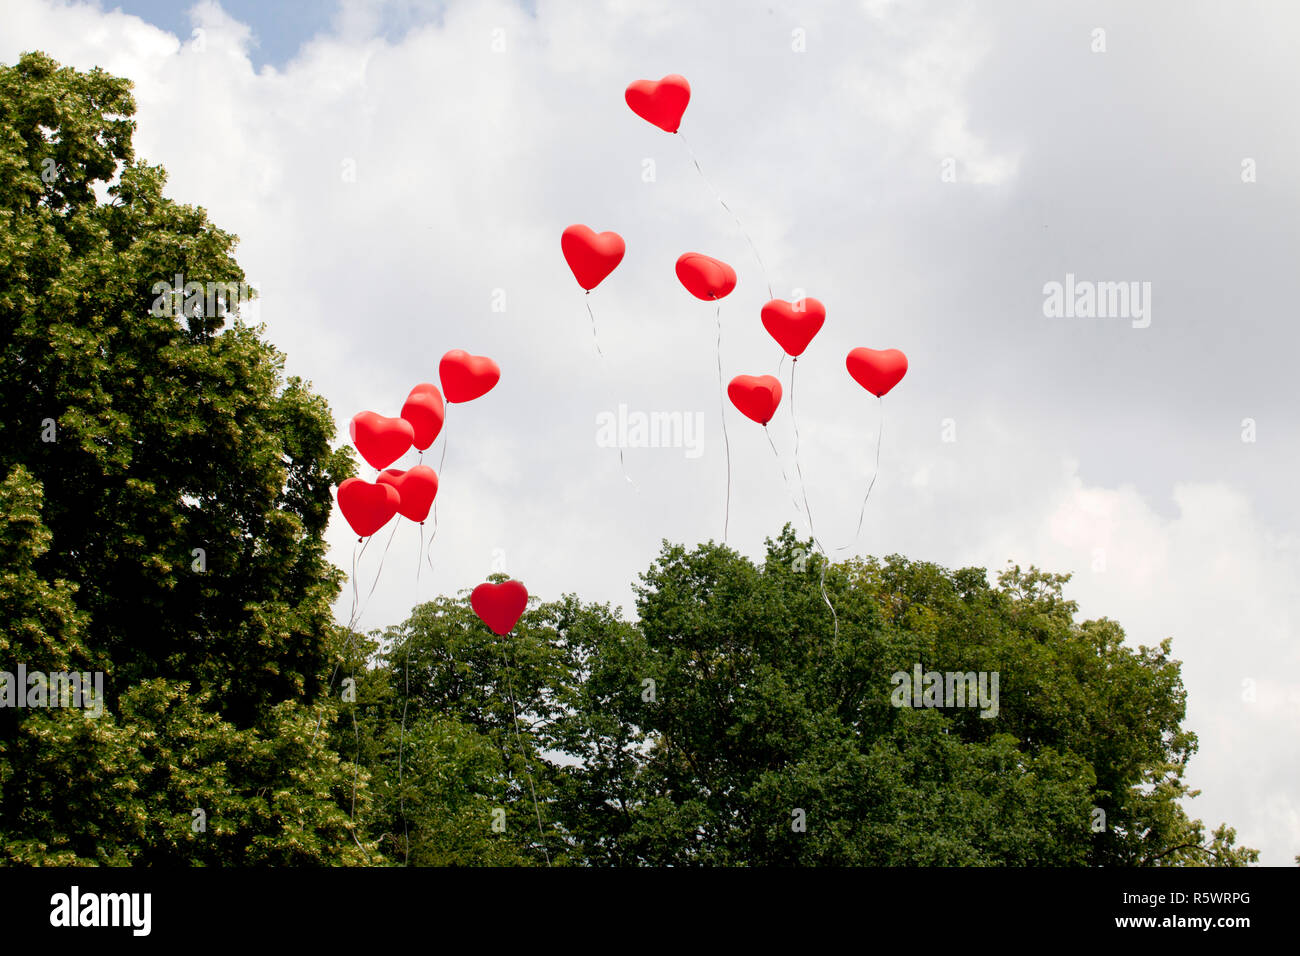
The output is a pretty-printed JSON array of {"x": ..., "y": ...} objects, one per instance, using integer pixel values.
[
  {"x": 367, "y": 507},
  {"x": 661, "y": 103},
  {"x": 417, "y": 487},
  {"x": 380, "y": 440},
  {"x": 591, "y": 255},
  {"x": 757, "y": 396},
  {"x": 705, "y": 277},
  {"x": 425, "y": 412},
  {"x": 466, "y": 377},
  {"x": 877, "y": 371},
  {"x": 793, "y": 324},
  {"x": 499, "y": 605}
]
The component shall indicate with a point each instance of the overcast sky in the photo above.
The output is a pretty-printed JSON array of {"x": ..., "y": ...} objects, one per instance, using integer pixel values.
[{"x": 393, "y": 171}]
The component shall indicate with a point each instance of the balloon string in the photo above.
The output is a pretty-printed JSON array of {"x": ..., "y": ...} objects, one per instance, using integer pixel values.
[
  {"x": 514, "y": 713},
  {"x": 594, "y": 337},
  {"x": 352, "y": 612},
  {"x": 378, "y": 571},
  {"x": 401, "y": 746},
  {"x": 406, "y": 699},
  {"x": 739, "y": 224},
  {"x": 353, "y": 615},
  {"x": 441, "y": 462},
  {"x": 356, "y": 769},
  {"x": 621, "y": 463},
  {"x": 722, "y": 408},
  {"x": 353, "y": 619},
  {"x": 401, "y": 751},
  {"x": 356, "y": 730},
  {"x": 880, "y": 434},
  {"x": 624, "y": 467},
  {"x": 794, "y": 363},
  {"x": 784, "y": 477}
]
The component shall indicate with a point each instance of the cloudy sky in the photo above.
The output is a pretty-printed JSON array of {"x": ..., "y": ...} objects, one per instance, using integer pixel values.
[{"x": 399, "y": 175}]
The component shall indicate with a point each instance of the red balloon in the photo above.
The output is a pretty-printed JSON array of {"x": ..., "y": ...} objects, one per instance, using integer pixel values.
[
  {"x": 875, "y": 371},
  {"x": 499, "y": 605},
  {"x": 591, "y": 255},
  {"x": 417, "y": 487},
  {"x": 757, "y": 396},
  {"x": 661, "y": 103},
  {"x": 380, "y": 440},
  {"x": 705, "y": 277},
  {"x": 424, "y": 410},
  {"x": 466, "y": 377},
  {"x": 793, "y": 325},
  {"x": 367, "y": 507}
]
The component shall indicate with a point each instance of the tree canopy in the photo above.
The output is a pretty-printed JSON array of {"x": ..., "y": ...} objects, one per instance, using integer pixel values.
[
  {"x": 165, "y": 495},
  {"x": 732, "y": 725}
]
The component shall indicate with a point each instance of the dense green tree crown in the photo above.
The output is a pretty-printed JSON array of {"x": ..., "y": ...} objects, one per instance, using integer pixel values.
[
  {"x": 164, "y": 499},
  {"x": 733, "y": 725},
  {"x": 163, "y": 495}
]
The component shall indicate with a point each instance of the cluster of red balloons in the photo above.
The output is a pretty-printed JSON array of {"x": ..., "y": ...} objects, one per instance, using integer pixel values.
[
  {"x": 793, "y": 325},
  {"x": 381, "y": 440},
  {"x": 593, "y": 256}
]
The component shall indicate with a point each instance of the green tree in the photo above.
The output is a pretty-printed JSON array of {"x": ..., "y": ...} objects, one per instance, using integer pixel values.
[
  {"x": 771, "y": 739},
  {"x": 166, "y": 493},
  {"x": 457, "y": 720},
  {"x": 733, "y": 725}
]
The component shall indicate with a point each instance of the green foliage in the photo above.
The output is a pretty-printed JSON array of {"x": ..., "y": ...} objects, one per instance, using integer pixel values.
[
  {"x": 732, "y": 709},
  {"x": 129, "y": 438},
  {"x": 450, "y": 719}
]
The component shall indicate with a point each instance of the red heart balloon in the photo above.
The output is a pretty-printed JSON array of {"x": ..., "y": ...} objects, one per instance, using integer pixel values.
[
  {"x": 367, "y": 507},
  {"x": 705, "y": 277},
  {"x": 417, "y": 487},
  {"x": 591, "y": 255},
  {"x": 757, "y": 396},
  {"x": 466, "y": 377},
  {"x": 499, "y": 605},
  {"x": 875, "y": 371},
  {"x": 661, "y": 103},
  {"x": 793, "y": 325},
  {"x": 380, "y": 440},
  {"x": 424, "y": 410}
]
